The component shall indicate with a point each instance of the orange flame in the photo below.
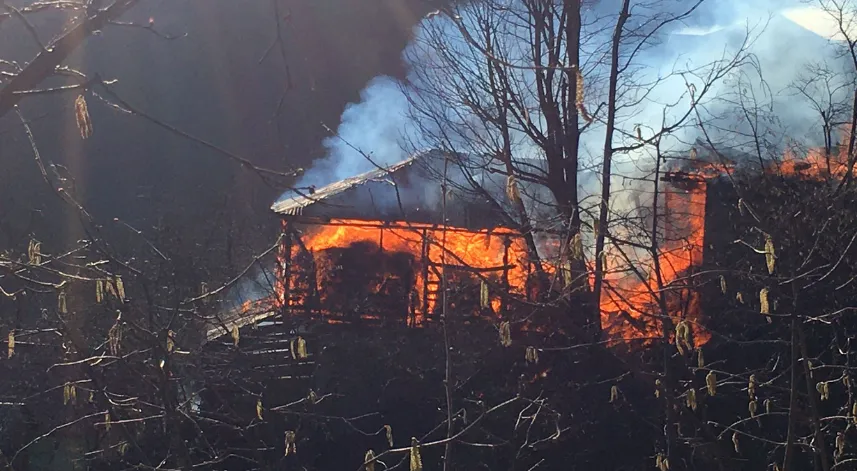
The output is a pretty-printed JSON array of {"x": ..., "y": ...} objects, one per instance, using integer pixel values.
[
  {"x": 636, "y": 293},
  {"x": 632, "y": 306},
  {"x": 488, "y": 254}
]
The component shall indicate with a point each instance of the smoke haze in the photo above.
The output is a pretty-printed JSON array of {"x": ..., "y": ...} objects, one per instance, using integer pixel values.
[{"x": 378, "y": 123}]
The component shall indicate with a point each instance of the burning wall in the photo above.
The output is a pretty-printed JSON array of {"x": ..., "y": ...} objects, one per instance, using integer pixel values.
[
  {"x": 353, "y": 268},
  {"x": 638, "y": 290},
  {"x": 699, "y": 193}
]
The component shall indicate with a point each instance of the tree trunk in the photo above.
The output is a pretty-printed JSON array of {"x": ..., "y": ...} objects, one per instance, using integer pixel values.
[{"x": 606, "y": 171}]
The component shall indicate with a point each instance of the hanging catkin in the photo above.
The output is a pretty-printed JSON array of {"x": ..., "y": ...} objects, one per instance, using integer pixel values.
[
  {"x": 581, "y": 94},
  {"x": 662, "y": 462},
  {"x": 691, "y": 398},
  {"x": 484, "y": 299},
  {"x": 236, "y": 336},
  {"x": 291, "y": 446},
  {"x": 10, "y": 343},
  {"x": 576, "y": 247},
  {"x": 369, "y": 460},
  {"x": 34, "y": 252},
  {"x": 711, "y": 383},
  {"x": 854, "y": 413},
  {"x": 823, "y": 389},
  {"x": 62, "y": 306},
  {"x": 512, "y": 190},
  {"x": 301, "y": 347},
  {"x": 171, "y": 343},
  {"x": 389, "y": 432},
  {"x": 770, "y": 255},
  {"x": 505, "y": 334},
  {"x": 114, "y": 338},
  {"x": 764, "y": 307},
  {"x": 531, "y": 355},
  {"x": 120, "y": 288},
  {"x": 416, "y": 461},
  {"x": 683, "y": 337},
  {"x": 81, "y": 114},
  {"x": 840, "y": 443}
]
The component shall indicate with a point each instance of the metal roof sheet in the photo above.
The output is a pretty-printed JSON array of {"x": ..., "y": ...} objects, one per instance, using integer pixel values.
[{"x": 295, "y": 205}]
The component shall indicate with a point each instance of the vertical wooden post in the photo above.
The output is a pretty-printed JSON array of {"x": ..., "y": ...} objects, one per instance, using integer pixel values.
[
  {"x": 287, "y": 272},
  {"x": 507, "y": 242},
  {"x": 313, "y": 301},
  {"x": 425, "y": 272}
]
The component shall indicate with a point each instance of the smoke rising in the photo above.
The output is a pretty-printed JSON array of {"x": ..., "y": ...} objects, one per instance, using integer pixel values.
[
  {"x": 373, "y": 126},
  {"x": 379, "y": 122}
]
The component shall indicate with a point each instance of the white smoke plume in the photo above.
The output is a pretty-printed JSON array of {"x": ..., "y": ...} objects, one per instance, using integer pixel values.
[
  {"x": 378, "y": 124},
  {"x": 372, "y": 126}
]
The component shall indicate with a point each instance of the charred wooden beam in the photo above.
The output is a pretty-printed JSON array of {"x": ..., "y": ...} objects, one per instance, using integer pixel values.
[
  {"x": 396, "y": 224},
  {"x": 424, "y": 261},
  {"x": 680, "y": 176},
  {"x": 469, "y": 269},
  {"x": 507, "y": 242}
]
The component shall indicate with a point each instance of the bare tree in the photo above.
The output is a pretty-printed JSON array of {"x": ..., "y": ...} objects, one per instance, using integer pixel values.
[{"x": 518, "y": 86}]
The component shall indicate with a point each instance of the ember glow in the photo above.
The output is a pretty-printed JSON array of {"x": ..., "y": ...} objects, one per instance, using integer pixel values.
[
  {"x": 631, "y": 304},
  {"x": 816, "y": 164},
  {"x": 497, "y": 258}
]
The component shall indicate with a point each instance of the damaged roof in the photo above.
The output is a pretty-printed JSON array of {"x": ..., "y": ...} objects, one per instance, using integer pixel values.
[
  {"x": 409, "y": 190},
  {"x": 295, "y": 205}
]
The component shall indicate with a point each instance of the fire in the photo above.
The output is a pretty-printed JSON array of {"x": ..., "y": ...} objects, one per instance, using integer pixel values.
[
  {"x": 497, "y": 258},
  {"x": 816, "y": 164},
  {"x": 631, "y": 305},
  {"x": 406, "y": 263}
]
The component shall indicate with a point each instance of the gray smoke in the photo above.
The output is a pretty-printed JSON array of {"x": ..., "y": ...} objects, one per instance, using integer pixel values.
[
  {"x": 373, "y": 126},
  {"x": 379, "y": 126}
]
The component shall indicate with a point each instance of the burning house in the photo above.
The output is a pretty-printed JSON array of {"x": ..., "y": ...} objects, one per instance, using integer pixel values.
[
  {"x": 374, "y": 249},
  {"x": 377, "y": 246}
]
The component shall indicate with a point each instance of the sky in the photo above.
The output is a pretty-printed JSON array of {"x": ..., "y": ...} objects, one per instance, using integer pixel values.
[{"x": 790, "y": 28}]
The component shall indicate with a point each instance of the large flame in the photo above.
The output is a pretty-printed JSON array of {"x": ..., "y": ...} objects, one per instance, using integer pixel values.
[
  {"x": 494, "y": 257},
  {"x": 637, "y": 305},
  {"x": 641, "y": 295},
  {"x": 631, "y": 303}
]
